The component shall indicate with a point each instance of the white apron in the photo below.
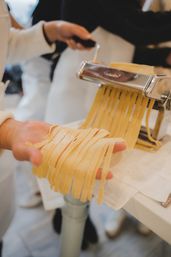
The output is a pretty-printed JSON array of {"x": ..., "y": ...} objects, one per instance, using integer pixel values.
[
  {"x": 6, "y": 179},
  {"x": 70, "y": 98},
  {"x": 4, "y": 35}
]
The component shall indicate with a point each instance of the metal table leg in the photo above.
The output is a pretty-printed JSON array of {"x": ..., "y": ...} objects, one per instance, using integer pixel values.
[{"x": 74, "y": 215}]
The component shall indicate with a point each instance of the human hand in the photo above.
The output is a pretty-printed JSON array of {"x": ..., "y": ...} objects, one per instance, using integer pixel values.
[
  {"x": 15, "y": 136},
  {"x": 65, "y": 31},
  {"x": 168, "y": 59}
]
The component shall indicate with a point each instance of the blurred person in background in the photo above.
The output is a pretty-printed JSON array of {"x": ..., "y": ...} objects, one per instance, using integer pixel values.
[
  {"x": 14, "y": 134},
  {"x": 13, "y": 72},
  {"x": 36, "y": 84}
]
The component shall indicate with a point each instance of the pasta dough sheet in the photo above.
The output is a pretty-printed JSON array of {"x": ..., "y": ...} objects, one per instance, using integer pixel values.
[{"x": 71, "y": 157}]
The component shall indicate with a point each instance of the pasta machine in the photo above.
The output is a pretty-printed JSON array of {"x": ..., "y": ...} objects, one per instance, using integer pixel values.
[{"x": 157, "y": 87}]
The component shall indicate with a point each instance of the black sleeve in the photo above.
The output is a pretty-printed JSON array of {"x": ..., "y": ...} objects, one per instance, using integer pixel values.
[
  {"x": 125, "y": 18},
  {"x": 152, "y": 56},
  {"x": 47, "y": 10},
  {"x": 121, "y": 17}
]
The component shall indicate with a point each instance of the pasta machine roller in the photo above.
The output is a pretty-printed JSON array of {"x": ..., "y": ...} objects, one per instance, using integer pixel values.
[{"x": 157, "y": 87}]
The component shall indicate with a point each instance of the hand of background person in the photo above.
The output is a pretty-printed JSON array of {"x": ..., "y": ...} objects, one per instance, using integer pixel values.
[
  {"x": 15, "y": 136},
  {"x": 64, "y": 31},
  {"x": 168, "y": 59}
]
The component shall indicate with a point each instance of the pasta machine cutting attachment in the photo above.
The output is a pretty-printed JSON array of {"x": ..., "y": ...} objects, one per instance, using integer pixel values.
[{"x": 157, "y": 87}]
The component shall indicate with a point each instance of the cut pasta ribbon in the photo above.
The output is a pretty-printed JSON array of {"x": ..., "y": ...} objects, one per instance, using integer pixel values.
[{"x": 71, "y": 157}]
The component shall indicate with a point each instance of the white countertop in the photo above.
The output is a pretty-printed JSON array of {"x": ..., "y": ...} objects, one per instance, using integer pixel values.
[{"x": 151, "y": 214}]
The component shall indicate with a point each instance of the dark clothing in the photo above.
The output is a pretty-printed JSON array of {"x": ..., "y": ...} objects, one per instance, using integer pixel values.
[
  {"x": 90, "y": 235},
  {"x": 121, "y": 17},
  {"x": 152, "y": 56},
  {"x": 126, "y": 19},
  {"x": 47, "y": 11},
  {"x": 1, "y": 248}
]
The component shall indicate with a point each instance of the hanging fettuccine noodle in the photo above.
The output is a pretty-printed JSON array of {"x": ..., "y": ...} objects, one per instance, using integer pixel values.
[
  {"x": 71, "y": 157},
  {"x": 121, "y": 111}
]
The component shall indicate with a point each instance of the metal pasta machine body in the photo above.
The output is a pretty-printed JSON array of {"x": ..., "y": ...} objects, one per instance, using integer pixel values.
[{"x": 157, "y": 87}]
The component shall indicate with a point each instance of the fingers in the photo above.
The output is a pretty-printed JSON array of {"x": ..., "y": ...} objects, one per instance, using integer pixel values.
[
  {"x": 81, "y": 32},
  {"x": 75, "y": 46},
  {"x": 35, "y": 156},
  {"x": 27, "y": 153},
  {"x": 99, "y": 174},
  {"x": 72, "y": 44},
  {"x": 119, "y": 146}
]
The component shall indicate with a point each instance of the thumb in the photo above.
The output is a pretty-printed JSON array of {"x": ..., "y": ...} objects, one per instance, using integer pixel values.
[{"x": 99, "y": 174}]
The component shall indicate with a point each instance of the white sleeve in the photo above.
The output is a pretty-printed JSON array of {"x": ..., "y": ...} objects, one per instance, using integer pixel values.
[
  {"x": 4, "y": 115},
  {"x": 27, "y": 43}
]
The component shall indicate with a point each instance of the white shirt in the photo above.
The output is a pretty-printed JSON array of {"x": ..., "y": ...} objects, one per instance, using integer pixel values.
[
  {"x": 15, "y": 46},
  {"x": 19, "y": 45}
]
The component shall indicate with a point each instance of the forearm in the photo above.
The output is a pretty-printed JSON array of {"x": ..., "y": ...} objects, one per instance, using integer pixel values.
[
  {"x": 7, "y": 132},
  {"x": 28, "y": 43},
  {"x": 39, "y": 39}
]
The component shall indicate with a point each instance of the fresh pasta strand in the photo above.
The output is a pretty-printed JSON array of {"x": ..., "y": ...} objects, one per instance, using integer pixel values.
[
  {"x": 127, "y": 113},
  {"x": 70, "y": 160}
]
